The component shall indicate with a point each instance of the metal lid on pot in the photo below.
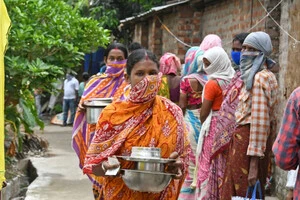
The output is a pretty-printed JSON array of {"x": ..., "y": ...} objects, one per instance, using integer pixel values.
[{"x": 98, "y": 102}]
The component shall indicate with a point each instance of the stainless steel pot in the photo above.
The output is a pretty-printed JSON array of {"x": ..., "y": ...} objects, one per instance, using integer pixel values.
[
  {"x": 94, "y": 108},
  {"x": 147, "y": 152}
]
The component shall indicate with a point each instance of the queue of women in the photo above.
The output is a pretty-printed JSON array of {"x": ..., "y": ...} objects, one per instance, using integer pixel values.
[{"x": 212, "y": 115}]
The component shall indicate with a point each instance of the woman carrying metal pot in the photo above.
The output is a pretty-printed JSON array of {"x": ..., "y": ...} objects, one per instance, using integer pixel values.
[
  {"x": 106, "y": 85},
  {"x": 142, "y": 119}
]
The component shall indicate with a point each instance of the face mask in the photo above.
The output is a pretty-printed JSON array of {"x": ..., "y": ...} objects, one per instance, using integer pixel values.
[
  {"x": 146, "y": 89},
  {"x": 69, "y": 77},
  {"x": 249, "y": 66},
  {"x": 236, "y": 56},
  {"x": 246, "y": 60}
]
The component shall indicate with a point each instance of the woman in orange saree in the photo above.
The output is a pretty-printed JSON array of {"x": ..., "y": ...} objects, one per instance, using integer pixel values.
[
  {"x": 142, "y": 119},
  {"x": 109, "y": 84}
]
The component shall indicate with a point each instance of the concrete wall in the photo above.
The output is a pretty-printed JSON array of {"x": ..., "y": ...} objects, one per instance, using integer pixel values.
[{"x": 168, "y": 42}]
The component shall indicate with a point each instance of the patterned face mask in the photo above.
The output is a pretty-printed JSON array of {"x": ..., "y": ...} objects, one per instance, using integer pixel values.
[{"x": 146, "y": 89}]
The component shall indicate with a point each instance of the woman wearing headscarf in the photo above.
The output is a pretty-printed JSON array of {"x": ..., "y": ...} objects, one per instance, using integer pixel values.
[
  {"x": 143, "y": 119},
  {"x": 170, "y": 67},
  {"x": 236, "y": 51},
  {"x": 225, "y": 123},
  {"x": 191, "y": 87},
  {"x": 218, "y": 67},
  {"x": 108, "y": 85},
  {"x": 254, "y": 116}
]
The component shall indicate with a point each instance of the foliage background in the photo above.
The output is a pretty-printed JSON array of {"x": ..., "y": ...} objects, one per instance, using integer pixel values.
[
  {"x": 46, "y": 39},
  {"x": 49, "y": 38}
]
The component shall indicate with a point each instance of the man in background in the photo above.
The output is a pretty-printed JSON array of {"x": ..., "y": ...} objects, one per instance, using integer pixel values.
[{"x": 71, "y": 86}]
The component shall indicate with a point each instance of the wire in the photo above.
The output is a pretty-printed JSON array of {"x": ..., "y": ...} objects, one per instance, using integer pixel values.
[
  {"x": 227, "y": 43},
  {"x": 268, "y": 15},
  {"x": 168, "y": 30},
  {"x": 296, "y": 41}
]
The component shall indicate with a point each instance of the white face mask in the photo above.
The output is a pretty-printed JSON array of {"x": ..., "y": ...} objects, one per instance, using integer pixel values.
[{"x": 208, "y": 69}]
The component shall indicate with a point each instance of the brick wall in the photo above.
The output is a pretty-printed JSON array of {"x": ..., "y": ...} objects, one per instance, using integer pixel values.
[
  {"x": 184, "y": 22},
  {"x": 231, "y": 17},
  {"x": 190, "y": 24}
]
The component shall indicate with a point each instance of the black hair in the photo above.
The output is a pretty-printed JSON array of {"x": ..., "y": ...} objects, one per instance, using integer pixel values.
[
  {"x": 116, "y": 45},
  {"x": 102, "y": 63},
  {"x": 240, "y": 37},
  {"x": 85, "y": 76},
  {"x": 72, "y": 73},
  {"x": 138, "y": 55},
  {"x": 134, "y": 46}
]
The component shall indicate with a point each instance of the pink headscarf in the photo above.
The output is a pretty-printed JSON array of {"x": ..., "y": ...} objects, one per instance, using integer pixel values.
[
  {"x": 169, "y": 64},
  {"x": 209, "y": 41}
]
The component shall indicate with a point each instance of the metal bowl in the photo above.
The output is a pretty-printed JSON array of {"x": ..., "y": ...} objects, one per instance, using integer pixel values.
[
  {"x": 146, "y": 181},
  {"x": 94, "y": 108}
]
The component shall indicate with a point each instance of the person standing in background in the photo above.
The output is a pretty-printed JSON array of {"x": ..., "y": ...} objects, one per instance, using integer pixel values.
[
  {"x": 190, "y": 101},
  {"x": 286, "y": 147},
  {"x": 218, "y": 68},
  {"x": 85, "y": 78},
  {"x": 236, "y": 51},
  {"x": 254, "y": 116},
  {"x": 71, "y": 86},
  {"x": 170, "y": 67},
  {"x": 110, "y": 84},
  {"x": 102, "y": 67},
  {"x": 225, "y": 122}
]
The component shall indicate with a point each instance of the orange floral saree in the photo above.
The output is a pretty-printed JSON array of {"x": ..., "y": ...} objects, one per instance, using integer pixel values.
[
  {"x": 109, "y": 84},
  {"x": 143, "y": 119}
]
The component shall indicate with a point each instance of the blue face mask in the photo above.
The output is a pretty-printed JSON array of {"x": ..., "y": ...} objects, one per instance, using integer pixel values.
[{"x": 236, "y": 56}]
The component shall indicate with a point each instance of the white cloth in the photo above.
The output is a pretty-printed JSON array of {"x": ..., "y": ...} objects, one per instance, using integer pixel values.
[
  {"x": 291, "y": 178},
  {"x": 70, "y": 88},
  {"x": 220, "y": 64}
]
